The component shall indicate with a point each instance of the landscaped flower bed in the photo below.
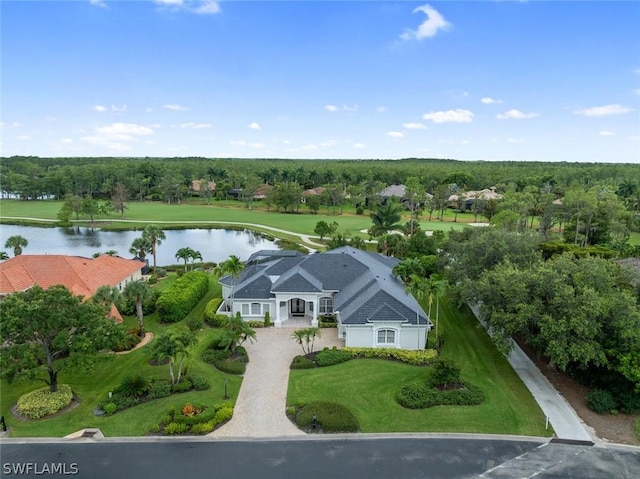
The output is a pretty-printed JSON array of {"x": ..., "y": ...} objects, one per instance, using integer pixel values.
[
  {"x": 42, "y": 402},
  {"x": 192, "y": 419}
]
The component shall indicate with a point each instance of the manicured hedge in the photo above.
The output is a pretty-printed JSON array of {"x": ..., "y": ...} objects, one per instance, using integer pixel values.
[
  {"x": 418, "y": 358},
  {"x": 42, "y": 402},
  {"x": 421, "y": 396},
  {"x": 329, "y": 357},
  {"x": 177, "y": 301},
  {"x": 211, "y": 308},
  {"x": 331, "y": 417},
  {"x": 300, "y": 362}
]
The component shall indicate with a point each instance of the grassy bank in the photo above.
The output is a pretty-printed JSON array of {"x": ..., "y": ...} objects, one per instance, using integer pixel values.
[{"x": 368, "y": 388}]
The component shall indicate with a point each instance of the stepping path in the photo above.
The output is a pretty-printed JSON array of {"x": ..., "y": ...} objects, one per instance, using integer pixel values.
[{"x": 260, "y": 410}]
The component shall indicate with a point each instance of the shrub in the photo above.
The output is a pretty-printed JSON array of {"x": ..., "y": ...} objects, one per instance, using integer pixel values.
[
  {"x": 183, "y": 386},
  {"x": 601, "y": 401},
  {"x": 181, "y": 297},
  {"x": 109, "y": 408},
  {"x": 267, "y": 319},
  {"x": 210, "y": 311},
  {"x": 242, "y": 353},
  {"x": 291, "y": 411},
  {"x": 359, "y": 210},
  {"x": 134, "y": 385},
  {"x": 301, "y": 362},
  {"x": 153, "y": 278},
  {"x": 190, "y": 410},
  {"x": 418, "y": 358},
  {"x": 43, "y": 402},
  {"x": 161, "y": 272},
  {"x": 230, "y": 366},
  {"x": 217, "y": 320},
  {"x": 324, "y": 325},
  {"x": 175, "y": 428},
  {"x": 223, "y": 414},
  {"x": 199, "y": 383},
  {"x": 128, "y": 342},
  {"x": 420, "y": 396},
  {"x": 331, "y": 417},
  {"x": 203, "y": 427},
  {"x": 159, "y": 389},
  {"x": 255, "y": 324},
  {"x": 212, "y": 355},
  {"x": 155, "y": 428},
  {"x": 123, "y": 402},
  {"x": 194, "y": 323},
  {"x": 445, "y": 372},
  {"x": 329, "y": 357}
]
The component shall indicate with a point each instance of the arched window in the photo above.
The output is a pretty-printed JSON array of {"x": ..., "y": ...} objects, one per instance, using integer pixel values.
[{"x": 386, "y": 336}]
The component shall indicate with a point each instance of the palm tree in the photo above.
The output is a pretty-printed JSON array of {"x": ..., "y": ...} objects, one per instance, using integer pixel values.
[
  {"x": 154, "y": 235},
  {"x": 438, "y": 286},
  {"x": 106, "y": 295},
  {"x": 407, "y": 267},
  {"x": 418, "y": 287},
  {"x": 138, "y": 292},
  {"x": 3, "y": 255},
  {"x": 195, "y": 254},
  {"x": 306, "y": 337},
  {"x": 233, "y": 267},
  {"x": 17, "y": 243},
  {"x": 140, "y": 247},
  {"x": 184, "y": 254},
  {"x": 235, "y": 331},
  {"x": 175, "y": 348},
  {"x": 386, "y": 218}
]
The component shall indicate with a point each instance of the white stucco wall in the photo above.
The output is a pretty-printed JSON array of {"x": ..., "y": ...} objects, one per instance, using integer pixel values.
[
  {"x": 237, "y": 307},
  {"x": 365, "y": 336}
]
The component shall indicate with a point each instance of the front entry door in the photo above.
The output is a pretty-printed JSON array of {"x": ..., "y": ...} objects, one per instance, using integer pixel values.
[{"x": 297, "y": 307}]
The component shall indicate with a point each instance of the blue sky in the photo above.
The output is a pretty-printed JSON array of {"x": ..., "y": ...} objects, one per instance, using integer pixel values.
[{"x": 478, "y": 80}]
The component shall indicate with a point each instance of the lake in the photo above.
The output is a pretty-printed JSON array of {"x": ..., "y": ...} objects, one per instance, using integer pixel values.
[{"x": 214, "y": 244}]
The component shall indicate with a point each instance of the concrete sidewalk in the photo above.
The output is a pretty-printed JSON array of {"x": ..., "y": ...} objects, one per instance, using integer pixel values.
[
  {"x": 260, "y": 410},
  {"x": 566, "y": 423}
]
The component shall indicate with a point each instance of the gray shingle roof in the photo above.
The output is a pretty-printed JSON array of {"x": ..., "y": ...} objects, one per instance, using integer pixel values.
[{"x": 364, "y": 285}]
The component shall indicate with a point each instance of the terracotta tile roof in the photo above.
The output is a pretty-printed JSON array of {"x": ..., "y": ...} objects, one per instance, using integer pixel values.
[{"x": 83, "y": 276}]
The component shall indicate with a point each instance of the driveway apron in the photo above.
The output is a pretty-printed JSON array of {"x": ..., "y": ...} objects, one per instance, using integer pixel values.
[{"x": 260, "y": 409}]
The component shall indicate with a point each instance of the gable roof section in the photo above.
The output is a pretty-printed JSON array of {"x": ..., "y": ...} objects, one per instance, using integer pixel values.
[
  {"x": 83, "y": 276},
  {"x": 257, "y": 287},
  {"x": 387, "y": 313},
  {"x": 297, "y": 280}
]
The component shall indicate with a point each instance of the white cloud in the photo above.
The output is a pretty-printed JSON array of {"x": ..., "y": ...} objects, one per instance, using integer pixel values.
[
  {"x": 98, "y": 3},
  {"x": 254, "y": 126},
  {"x": 449, "y": 116},
  {"x": 637, "y": 91},
  {"x": 331, "y": 108},
  {"x": 66, "y": 141},
  {"x": 414, "y": 126},
  {"x": 112, "y": 136},
  {"x": 118, "y": 108},
  {"x": 149, "y": 109},
  {"x": 381, "y": 109},
  {"x": 604, "y": 110},
  {"x": 515, "y": 140},
  {"x": 427, "y": 29},
  {"x": 514, "y": 114},
  {"x": 309, "y": 147},
  {"x": 23, "y": 137},
  {"x": 13, "y": 124},
  {"x": 606, "y": 133},
  {"x": 200, "y": 7},
  {"x": 489, "y": 101},
  {"x": 395, "y": 134},
  {"x": 359, "y": 145},
  {"x": 343, "y": 108},
  {"x": 176, "y": 107},
  {"x": 195, "y": 126},
  {"x": 100, "y": 108},
  {"x": 256, "y": 145},
  {"x": 464, "y": 142},
  {"x": 286, "y": 142},
  {"x": 634, "y": 138},
  {"x": 329, "y": 143}
]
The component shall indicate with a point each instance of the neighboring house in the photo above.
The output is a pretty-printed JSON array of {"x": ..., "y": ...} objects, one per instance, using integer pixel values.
[
  {"x": 317, "y": 191},
  {"x": 82, "y": 276},
  {"x": 196, "y": 185},
  {"x": 358, "y": 287},
  {"x": 467, "y": 199},
  {"x": 398, "y": 192}
]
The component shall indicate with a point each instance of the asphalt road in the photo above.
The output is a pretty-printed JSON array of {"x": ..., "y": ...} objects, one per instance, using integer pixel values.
[{"x": 396, "y": 458}]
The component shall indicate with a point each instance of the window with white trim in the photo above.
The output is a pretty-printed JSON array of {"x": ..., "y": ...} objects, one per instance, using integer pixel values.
[
  {"x": 255, "y": 309},
  {"x": 245, "y": 310},
  {"x": 386, "y": 336},
  {"x": 325, "y": 306}
]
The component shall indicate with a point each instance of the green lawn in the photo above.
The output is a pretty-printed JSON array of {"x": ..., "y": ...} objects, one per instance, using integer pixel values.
[
  {"x": 368, "y": 388},
  {"x": 92, "y": 388}
]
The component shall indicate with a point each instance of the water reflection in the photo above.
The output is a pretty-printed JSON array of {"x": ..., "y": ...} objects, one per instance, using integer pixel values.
[{"x": 214, "y": 244}]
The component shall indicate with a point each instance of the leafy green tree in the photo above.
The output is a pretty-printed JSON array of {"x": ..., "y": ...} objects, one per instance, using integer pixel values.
[
  {"x": 154, "y": 236},
  {"x": 16, "y": 242},
  {"x": 323, "y": 228},
  {"x": 174, "y": 348},
  {"x": 73, "y": 203},
  {"x": 40, "y": 326},
  {"x": 89, "y": 207},
  {"x": 138, "y": 292},
  {"x": 106, "y": 296}
]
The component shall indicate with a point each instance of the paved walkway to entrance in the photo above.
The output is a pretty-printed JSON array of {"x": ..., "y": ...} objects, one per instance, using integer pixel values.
[
  {"x": 563, "y": 418},
  {"x": 260, "y": 410}
]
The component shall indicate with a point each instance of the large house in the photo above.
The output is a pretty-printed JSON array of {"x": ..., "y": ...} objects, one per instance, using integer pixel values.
[
  {"x": 82, "y": 276},
  {"x": 370, "y": 304}
]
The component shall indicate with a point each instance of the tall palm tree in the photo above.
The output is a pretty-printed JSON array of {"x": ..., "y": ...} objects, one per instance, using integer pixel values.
[
  {"x": 138, "y": 292},
  {"x": 184, "y": 254},
  {"x": 407, "y": 267},
  {"x": 154, "y": 235},
  {"x": 106, "y": 295},
  {"x": 233, "y": 267},
  {"x": 439, "y": 286},
  {"x": 195, "y": 254},
  {"x": 17, "y": 243},
  {"x": 140, "y": 247},
  {"x": 417, "y": 286}
]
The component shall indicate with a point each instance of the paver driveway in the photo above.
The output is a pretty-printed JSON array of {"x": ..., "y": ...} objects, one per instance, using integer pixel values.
[{"x": 260, "y": 410}]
